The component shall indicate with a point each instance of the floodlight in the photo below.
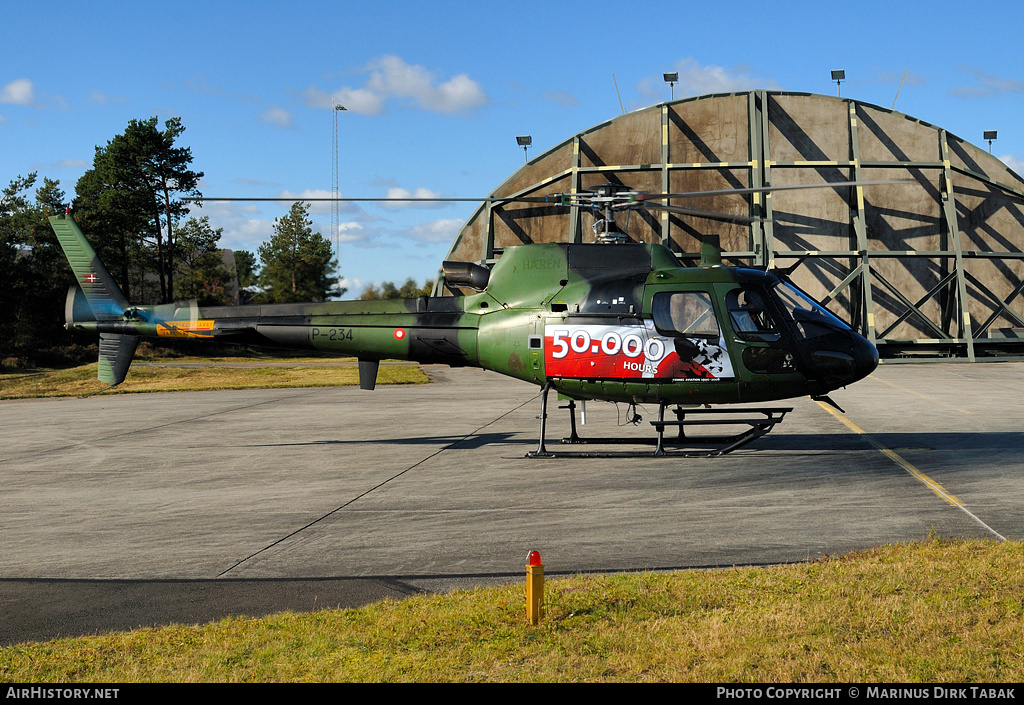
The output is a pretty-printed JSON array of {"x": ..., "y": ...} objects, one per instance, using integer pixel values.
[
  {"x": 525, "y": 141},
  {"x": 838, "y": 76},
  {"x": 671, "y": 79}
]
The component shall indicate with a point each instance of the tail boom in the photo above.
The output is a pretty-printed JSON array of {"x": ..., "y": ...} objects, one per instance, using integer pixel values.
[{"x": 424, "y": 329}]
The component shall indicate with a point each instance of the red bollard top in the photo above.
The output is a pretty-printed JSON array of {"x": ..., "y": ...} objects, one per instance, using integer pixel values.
[{"x": 533, "y": 559}]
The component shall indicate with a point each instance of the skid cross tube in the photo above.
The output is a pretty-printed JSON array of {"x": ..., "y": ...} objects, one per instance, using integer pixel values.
[
  {"x": 758, "y": 420},
  {"x": 758, "y": 426}
]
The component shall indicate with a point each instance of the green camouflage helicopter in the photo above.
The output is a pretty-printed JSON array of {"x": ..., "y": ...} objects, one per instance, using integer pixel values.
[{"x": 615, "y": 321}]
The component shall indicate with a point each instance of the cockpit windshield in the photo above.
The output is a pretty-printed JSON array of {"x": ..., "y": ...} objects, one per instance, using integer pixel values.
[{"x": 812, "y": 319}]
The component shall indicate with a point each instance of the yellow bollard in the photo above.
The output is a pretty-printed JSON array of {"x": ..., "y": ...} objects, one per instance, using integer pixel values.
[{"x": 534, "y": 588}]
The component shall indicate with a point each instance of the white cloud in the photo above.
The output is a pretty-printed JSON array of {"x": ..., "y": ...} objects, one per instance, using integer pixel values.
[
  {"x": 435, "y": 231},
  {"x": 102, "y": 98},
  {"x": 987, "y": 85},
  {"x": 18, "y": 92},
  {"x": 69, "y": 164},
  {"x": 320, "y": 207},
  {"x": 695, "y": 79},
  {"x": 356, "y": 100},
  {"x": 354, "y": 232},
  {"x": 886, "y": 77},
  {"x": 278, "y": 117},
  {"x": 562, "y": 98},
  {"x": 392, "y": 78},
  {"x": 457, "y": 95},
  {"x": 241, "y": 232},
  {"x": 1014, "y": 162},
  {"x": 354, "y": 287},
  {"x": 245, "y": 226},
  {"x": 421, "y": 193}
]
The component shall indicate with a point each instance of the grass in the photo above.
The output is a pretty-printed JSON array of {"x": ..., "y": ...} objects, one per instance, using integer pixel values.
[
  {"x": 81, "y": 380},
  {"x": 934, "y": 611}
]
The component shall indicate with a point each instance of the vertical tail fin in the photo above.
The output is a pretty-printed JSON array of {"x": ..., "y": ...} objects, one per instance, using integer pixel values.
[
  {"x": 105, "y": 300},
  {"x": 104, "y": 297}
]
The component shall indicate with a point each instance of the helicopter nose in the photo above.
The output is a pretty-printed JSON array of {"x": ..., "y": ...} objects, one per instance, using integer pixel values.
[
  {"x": 838, "y": 369},
  {"x": 865, "y": 358}
]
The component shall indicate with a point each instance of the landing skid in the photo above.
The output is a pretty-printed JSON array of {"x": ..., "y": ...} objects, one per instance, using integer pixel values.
[{"x": 758, "y": 420}]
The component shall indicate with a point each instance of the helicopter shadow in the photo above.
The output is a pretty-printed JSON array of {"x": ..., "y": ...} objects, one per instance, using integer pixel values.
[
  {"x": 983, "y": 443},
  {"x": 466, "y": 442},
  {"x": 978, "y": 444}
]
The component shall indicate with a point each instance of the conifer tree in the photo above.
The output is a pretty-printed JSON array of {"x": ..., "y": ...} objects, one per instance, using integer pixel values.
[{"x": 297, "y": 262}]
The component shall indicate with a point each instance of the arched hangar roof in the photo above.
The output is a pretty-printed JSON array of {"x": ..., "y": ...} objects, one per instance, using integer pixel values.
[{"x": 932, "y": 266}]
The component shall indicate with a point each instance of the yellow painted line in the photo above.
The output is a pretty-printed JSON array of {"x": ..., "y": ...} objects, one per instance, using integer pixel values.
[
  {"x": 928, "y": 482},
  {"x": 896, "y": 458},
  {"x": 923, "y": 396}
]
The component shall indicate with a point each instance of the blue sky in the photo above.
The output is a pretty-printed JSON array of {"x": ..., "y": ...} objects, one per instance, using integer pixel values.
[{"x": 437, "y": 92}]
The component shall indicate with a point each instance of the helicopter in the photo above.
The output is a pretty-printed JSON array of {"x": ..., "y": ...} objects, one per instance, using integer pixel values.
[{"x": 613, "y": 320}]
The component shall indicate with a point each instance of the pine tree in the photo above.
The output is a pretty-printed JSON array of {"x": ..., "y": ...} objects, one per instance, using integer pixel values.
[
  {"x": 130, "y": 202},
  {"x": 297, "y": 262},
  {"x": 36, "y": 274},
  {"x": 201, "y": 272}
]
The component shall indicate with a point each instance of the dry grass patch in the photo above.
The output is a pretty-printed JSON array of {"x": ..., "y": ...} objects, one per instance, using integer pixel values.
[
  {"x": 929, "y": 612},
  {"x": 82, "y": 380}
]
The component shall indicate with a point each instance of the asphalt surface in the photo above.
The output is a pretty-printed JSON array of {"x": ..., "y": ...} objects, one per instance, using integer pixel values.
[{"x": 134, "y": 510}]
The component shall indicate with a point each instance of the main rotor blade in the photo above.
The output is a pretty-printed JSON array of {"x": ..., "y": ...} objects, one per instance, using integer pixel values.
[
  {"x": 712, "y": 215},
  {"x": 343, "y": 199},
  {"x": 556, "y": 198},
  {"x": 765, "y": 189}
]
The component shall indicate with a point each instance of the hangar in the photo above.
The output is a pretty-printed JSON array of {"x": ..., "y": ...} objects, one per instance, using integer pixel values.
[{"x": 928, "y": 269}]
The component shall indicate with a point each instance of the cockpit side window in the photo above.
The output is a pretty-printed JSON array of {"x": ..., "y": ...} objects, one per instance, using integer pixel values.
[
  {"x": 687, "y": 314},
  {"x": 749, "y": 316}
]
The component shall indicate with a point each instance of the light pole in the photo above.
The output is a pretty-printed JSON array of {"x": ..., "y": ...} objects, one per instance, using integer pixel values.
[
  {"x": 991, "y": 136},
  {"x": 525, "y": 141},
  {"x": 335, "y": 205},
  {"x": 671, "y": 79},
  {"x": 838, "y": 76}
]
